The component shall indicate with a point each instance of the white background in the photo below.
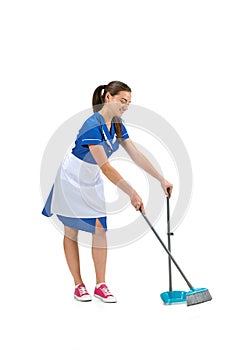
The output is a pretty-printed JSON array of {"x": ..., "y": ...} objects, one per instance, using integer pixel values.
[{"x": 177, "y": 58}]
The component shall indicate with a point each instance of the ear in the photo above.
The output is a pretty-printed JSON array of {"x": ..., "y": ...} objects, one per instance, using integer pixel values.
[{"x": 108, "y": 97}]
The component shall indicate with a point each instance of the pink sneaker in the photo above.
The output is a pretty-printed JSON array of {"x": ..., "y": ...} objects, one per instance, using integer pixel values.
[
  {"x": 104, "y": 294},
  {"x": 81, "y": 294}
]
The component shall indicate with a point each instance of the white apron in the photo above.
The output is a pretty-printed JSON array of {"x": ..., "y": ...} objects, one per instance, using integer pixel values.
[{"x": 78, "y": 190}]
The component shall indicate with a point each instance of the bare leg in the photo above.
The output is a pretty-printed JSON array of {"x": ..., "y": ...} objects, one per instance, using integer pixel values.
[
  {"x": 72, "y": 253},
  {"x": 99, "y": 252}
]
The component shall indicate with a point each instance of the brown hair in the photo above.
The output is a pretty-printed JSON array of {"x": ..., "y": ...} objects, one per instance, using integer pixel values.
[{"x": 98, "y": 99}]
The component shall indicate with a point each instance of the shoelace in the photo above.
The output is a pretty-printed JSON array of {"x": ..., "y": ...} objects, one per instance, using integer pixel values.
[
  {"x": 82, "y": 290},
  {"x": 106, "y": 291}
]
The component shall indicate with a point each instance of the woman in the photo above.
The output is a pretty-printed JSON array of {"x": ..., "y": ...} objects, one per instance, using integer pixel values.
[{"x": 77, "y": 197}]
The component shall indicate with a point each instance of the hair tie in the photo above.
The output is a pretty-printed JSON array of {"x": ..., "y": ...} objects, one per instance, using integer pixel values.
[{"x": 103, "y": 91}]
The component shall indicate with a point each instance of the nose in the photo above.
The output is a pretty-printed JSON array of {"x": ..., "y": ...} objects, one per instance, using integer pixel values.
[{"x": 125, "y": 107}]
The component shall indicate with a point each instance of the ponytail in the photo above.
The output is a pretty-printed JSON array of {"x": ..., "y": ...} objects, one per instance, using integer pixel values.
[{"x": 98, "y": 98}]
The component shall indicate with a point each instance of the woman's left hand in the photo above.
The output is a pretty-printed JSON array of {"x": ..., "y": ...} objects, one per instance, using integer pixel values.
[{"x": 166, "y": 185}]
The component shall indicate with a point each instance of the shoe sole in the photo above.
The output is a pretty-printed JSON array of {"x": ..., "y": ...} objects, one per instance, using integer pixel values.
[
  {"x": 105, "y": 300},
  {"x": 82, "y": 300}
]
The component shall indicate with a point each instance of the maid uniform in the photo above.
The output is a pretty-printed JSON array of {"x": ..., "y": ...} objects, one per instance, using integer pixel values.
[{"x": 77, "y": 196}]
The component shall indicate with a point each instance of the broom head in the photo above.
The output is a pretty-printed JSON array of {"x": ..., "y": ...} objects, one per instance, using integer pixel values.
[{"x": 197, "y": 296}]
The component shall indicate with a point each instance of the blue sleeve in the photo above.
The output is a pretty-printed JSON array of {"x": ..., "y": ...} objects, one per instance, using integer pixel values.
[
  {"x": 124, "y": 133},
  {"x": 93, "y": 136}
]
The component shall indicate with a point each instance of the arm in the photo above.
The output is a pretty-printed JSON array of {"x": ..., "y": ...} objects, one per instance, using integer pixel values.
[
  {"x": 113, "y": 175},
  {"x": 145, "y": 164}
]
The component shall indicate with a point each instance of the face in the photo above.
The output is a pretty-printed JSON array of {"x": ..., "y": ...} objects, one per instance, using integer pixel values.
[{"x": 119, "y": 103}]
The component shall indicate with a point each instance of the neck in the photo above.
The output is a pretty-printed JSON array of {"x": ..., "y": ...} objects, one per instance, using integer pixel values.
[{"x": 107, "y": 115}]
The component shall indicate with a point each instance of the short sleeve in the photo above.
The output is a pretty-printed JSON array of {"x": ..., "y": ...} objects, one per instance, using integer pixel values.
[
  {"x": 92, "y": 136},
  {"x": 124, "y": 133}
]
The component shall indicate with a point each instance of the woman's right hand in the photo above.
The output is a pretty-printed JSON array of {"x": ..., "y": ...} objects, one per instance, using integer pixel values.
[{"x": 137, "y": 202}]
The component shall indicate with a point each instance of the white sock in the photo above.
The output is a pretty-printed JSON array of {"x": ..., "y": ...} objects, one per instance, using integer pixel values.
[
  {"x": 77, "y": 285},
  {"x": 99, "y": 284}
]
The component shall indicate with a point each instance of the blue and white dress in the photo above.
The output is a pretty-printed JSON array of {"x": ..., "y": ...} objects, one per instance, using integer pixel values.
[{"x": 77, "y": 196}]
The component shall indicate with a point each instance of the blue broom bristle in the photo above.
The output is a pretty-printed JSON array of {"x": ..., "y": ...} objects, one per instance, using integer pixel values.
[{"x": 198, "y": 296}]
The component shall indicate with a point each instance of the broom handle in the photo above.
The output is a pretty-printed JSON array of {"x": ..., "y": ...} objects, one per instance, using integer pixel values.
[
  {"x": 169, "y": 241},
  {"x": 165, "y": 248}
]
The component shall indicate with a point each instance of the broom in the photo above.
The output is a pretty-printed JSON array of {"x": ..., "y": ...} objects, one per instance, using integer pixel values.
[{"x": 195, "y": 295}]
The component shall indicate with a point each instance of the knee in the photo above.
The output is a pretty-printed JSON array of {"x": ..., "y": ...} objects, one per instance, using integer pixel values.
[
  {"x": 99, "y": 238},
  {"x": 70, "y": 233}
]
